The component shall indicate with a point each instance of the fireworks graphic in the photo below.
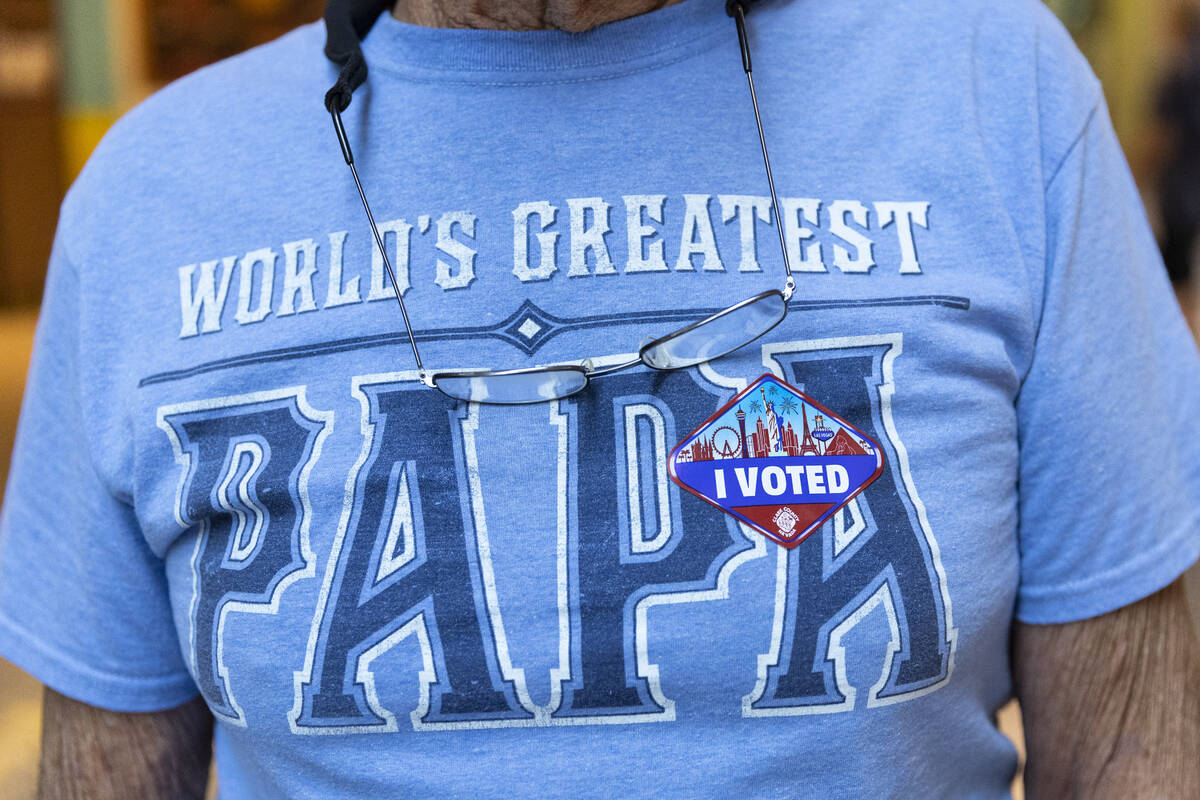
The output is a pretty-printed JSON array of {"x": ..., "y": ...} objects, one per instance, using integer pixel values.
[{"x": 775, "y": 423}]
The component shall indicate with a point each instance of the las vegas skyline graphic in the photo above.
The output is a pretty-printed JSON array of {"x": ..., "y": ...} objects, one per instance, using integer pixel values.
[{"x": 766, "y": 425}]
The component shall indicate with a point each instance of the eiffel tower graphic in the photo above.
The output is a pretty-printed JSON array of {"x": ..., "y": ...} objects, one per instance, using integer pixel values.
[{"x": 808, "y": 447}]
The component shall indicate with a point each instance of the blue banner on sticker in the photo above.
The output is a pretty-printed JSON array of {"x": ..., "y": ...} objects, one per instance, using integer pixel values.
[{"x": 777, "y": 460}]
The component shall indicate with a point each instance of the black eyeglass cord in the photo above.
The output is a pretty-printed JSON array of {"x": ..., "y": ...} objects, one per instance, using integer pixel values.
[{"x": 346, "y": 23}]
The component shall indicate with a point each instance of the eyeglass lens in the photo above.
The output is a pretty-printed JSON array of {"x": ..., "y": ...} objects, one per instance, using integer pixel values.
[
  {"x": 717, "y": 336},
  {"x": 514, "y": 388}
]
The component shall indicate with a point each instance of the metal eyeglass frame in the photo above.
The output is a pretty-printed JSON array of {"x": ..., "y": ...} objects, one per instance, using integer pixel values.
[{"x": 735, "y": 9}]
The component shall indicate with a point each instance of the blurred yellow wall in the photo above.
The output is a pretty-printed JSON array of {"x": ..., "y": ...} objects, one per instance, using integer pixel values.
[{"x": 20, "y": 695}]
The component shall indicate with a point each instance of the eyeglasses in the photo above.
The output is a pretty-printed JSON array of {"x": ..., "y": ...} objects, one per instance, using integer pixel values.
[{"x": 710, "y": 338}]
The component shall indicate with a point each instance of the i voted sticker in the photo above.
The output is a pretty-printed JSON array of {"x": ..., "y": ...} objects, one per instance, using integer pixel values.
[{"x": 777, "y": 460}]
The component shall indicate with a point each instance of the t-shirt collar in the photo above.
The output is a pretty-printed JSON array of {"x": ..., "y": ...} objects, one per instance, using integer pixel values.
[{"x": 627, "y": 45}]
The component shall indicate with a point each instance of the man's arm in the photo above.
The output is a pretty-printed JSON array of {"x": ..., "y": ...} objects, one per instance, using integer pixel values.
[
  {"x": 1112, "y": 704},
  {"x": 88, "y": 752}
]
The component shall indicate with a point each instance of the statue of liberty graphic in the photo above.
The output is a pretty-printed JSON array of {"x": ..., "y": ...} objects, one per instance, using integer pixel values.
[{"x": 773, "y": 436}]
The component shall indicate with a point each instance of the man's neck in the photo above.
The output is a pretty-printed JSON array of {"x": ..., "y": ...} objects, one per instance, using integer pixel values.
[{"x": 521, "y": 15}]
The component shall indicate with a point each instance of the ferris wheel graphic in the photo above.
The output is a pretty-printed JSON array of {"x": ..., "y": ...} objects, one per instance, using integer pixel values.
[{"x": 726, "y": 442}]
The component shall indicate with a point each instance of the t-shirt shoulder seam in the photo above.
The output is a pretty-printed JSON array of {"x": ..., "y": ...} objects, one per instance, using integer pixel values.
[
  {"x": 1046, "y": 187},
  {"x": 1075, "y": 141}
]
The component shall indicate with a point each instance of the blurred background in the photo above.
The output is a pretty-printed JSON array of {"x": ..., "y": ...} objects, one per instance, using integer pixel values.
[{"x": 70, "y": 68}]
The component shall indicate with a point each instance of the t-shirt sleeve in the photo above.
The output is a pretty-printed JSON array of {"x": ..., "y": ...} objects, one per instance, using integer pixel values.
[
  {"x": 83, "y": 600},
  {"x": 1108, "y": 412}
]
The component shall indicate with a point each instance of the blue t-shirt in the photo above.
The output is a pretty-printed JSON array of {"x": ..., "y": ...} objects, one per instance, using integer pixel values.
[{"x": 229, "y": 480}]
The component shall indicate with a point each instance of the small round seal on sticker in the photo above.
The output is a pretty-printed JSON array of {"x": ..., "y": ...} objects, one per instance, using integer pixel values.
[{"x": 785, "y": 520}]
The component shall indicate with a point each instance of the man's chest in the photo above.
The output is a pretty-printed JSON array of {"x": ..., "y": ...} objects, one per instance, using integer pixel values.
[{"x": 356, "y": 552}]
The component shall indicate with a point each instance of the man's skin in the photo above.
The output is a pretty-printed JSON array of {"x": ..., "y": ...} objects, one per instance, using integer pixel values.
[
  {"x": 89, "y": 753},
  {"x": 1111, "y": 704},
  {"x": 521, "y": 15}
]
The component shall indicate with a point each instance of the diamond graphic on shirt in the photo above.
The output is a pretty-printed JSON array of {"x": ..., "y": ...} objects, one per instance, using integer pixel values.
[
  {"x": 529, "y": 329},
  {"x": 777, "y": 460}
]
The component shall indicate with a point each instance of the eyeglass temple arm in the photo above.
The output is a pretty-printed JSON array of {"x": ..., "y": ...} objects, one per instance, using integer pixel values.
[
  {"x": 739, "y": 16},
  {"x": 344, "y": 142},
  {"x": 738, "y": 11}
]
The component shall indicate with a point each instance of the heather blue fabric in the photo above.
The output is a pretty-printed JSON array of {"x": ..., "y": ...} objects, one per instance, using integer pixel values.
[{"x": 229, "y": 480}]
